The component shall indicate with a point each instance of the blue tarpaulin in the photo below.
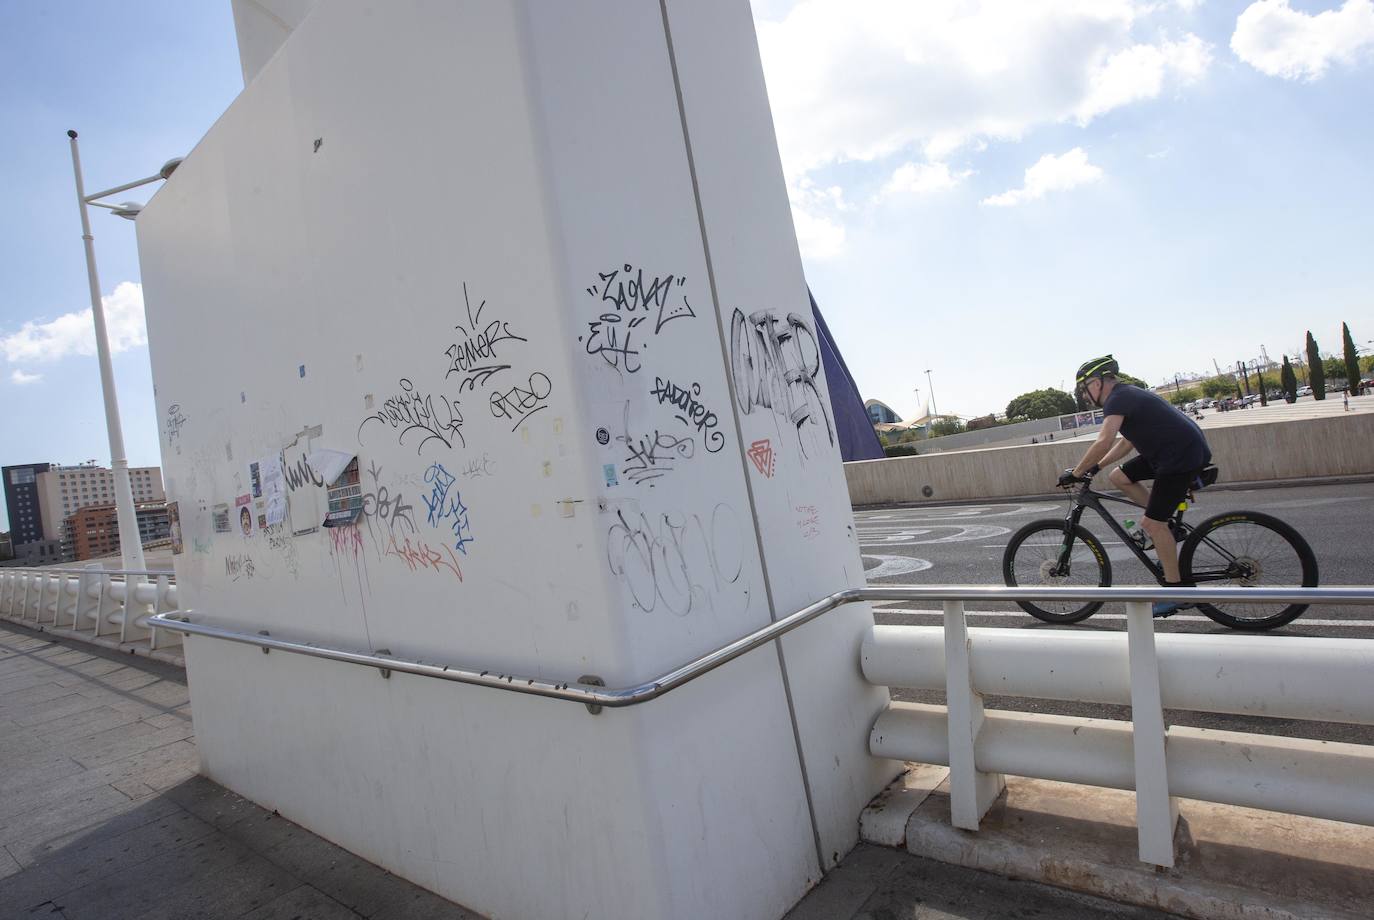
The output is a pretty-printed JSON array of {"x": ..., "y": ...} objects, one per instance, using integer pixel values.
[{"x": 858, "y": 440}]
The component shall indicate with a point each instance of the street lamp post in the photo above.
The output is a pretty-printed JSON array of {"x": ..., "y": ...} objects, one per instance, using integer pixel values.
[
  {"x": 930, "y": 388},
  {"x": 130, "y": 543}
]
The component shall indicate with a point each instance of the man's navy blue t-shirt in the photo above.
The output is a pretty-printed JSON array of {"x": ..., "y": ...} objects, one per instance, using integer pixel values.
[{"x": 1170, "y": 440}]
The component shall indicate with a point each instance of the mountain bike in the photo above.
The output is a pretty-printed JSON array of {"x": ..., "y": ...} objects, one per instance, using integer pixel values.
[{"x": 1233, "y": 549}]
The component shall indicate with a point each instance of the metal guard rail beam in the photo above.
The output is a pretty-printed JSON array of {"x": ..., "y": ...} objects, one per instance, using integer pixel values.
[{"x": 589, "y": 695}]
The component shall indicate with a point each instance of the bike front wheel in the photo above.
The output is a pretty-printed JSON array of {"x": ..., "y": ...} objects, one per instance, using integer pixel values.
[
  {"x": 1035, "y": 557},
  {"x": 1248, "y": 549}
]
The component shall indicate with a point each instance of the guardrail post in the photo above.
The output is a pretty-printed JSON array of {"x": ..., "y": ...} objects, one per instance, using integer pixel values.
[
  {"x": 1156, "y": 812},
  {"x": 162, "y": 603},
  {"x": 85, "y": 584},
  {"x": 106, "y": 605},
  {"x": 70, "y": 598},
  {"x": 971, "y": 793}
]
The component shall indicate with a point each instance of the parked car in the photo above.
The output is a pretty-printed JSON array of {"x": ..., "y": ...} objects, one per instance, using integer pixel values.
[{"x": 1304, "y": 391}]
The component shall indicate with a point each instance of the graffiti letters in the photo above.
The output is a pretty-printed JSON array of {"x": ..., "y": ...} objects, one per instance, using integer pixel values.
[
  {"x": 385, "y": 509},
  {"x": 761, "y": 454},
  {"x": 474, "y": 358},
  {"x": 691, "y": 412},
  {"x": 446, "y": 508},
  {"x": 414, "y": 411},
  {"x": 636, "y": 301},
  {"x": 174, "y": 422},
  {"x": 682, "y": 562},
  {"x": 774, "y": 363},
  {"x": 809, "y": 521},
  {"x": 239, "y": 565},
  {"x": 519, "y": 403},
  {"x": 477, "y": 468},
  {"x": 419, "y": 556},
  {"x": 651, "y": 456}
]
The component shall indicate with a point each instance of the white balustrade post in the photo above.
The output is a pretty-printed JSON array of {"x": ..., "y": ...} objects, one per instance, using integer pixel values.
[
  {"x": 71, "y": 586},
  {"x": 971, "y": 792},
  {"x": 6, "y": 593},
  {"x": 107, "y": 605},
  {"x": 1156, "y": 812},
  {"x": 161, "y": 604}
]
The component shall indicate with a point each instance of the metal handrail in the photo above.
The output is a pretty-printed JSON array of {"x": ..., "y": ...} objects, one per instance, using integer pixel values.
[
  {"x": 55, "y": 570},
  {"x": 590, "y": 695}
]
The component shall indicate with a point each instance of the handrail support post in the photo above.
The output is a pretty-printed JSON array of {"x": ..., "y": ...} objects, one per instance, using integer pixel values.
[
  {"x": 1156, "y": 812},
  {"x": 971, "y": 792}
]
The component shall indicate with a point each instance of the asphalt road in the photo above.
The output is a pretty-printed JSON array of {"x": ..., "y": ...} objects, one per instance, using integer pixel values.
[{"x": 963, "y": 544}]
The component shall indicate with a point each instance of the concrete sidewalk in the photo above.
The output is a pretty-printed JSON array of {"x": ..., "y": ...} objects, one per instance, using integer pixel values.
[{"x": 102, "y": 816}]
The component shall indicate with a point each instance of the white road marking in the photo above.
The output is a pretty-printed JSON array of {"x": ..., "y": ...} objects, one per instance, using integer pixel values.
[
  {"x": 1184, "y": 618},
  {"x": 895, "y": 565}
]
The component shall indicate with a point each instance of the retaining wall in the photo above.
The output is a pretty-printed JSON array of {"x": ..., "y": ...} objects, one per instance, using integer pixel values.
[{"x": 1297, "y": 449}]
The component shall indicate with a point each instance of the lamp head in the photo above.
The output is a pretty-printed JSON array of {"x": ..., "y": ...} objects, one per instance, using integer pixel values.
[
  {"x": 169, "y": 167},
  {"x": 127, "y": 209}
]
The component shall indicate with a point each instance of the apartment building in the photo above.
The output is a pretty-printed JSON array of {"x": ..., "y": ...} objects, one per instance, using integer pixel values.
[
  {"x": 65, "y": 490},
  {"x": 94, "y": 530}
]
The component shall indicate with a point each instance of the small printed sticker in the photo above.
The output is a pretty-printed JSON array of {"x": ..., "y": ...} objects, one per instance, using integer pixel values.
[
  {"x": 609, "y": 470},
  {"x": 761, "y": 454},
  {"x": 603, "y": 437}
]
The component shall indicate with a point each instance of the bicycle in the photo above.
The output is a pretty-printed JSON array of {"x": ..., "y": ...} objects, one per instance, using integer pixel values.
[{"x": 1237, "y": 548}]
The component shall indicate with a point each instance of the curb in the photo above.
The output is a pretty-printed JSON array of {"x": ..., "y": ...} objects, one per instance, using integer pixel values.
[{"x": 137, "y": 649}]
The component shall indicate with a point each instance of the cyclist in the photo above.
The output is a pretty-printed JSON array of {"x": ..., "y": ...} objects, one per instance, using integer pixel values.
[{"x": 1172, "y": 452}]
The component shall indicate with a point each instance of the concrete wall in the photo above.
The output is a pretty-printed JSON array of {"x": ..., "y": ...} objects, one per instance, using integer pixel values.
[
  {"x": 1338, "y": 446},
  {"x": 532, "y": 264},
  {"x": 1019, "y": 433}
]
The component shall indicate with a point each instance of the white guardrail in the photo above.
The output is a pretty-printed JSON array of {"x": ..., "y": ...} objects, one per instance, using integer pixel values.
[
  {"x": 1277, "y": 676},
  {"x": 91, "y": 601}
]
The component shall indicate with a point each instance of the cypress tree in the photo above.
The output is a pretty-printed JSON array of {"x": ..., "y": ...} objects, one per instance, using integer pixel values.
[
  {"x": 1288, "y": 382},
  {"x": 1316, "y": 374},
  {"x": 1352, "y": 361}
]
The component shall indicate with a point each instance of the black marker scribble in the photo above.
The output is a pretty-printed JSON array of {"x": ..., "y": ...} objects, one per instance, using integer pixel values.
[
  {"x": 475, "y": 356},
  {"x": 411, "y": 410},
  {"x": 519, "y": 403}
]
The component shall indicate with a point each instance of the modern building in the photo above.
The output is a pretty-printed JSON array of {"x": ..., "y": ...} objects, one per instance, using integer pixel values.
[
  {"x": 880, "y": 413},
  {"x": 94, "y": 529},
  {"x": 22, "y": 503},
  {"x": 65, "y": 490}
]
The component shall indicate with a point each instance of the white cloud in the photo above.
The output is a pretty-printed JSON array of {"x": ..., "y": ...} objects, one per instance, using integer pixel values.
[
  {"x": 856, "y": 80},
  {"x": 74, "y": 333},
  {"x": 923, "y": 178},
  {"x": 21, "y": 378},
  {"x": 816, "y": 215},
  {"x": 1280, "y": 41},
  {"x": 1050, "y": 174}
]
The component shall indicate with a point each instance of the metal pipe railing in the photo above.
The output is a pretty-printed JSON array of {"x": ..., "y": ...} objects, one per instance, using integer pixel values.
[{"x": 587, "y": 694}]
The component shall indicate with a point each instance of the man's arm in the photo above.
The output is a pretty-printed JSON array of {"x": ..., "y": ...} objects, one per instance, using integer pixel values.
[
  {"x": 1097, "y": 453},
  {"x": 1120, "y": 449}
]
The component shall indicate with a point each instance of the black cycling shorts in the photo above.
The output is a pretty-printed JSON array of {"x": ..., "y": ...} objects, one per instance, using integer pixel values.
[{"x": 1169, "y": 488}]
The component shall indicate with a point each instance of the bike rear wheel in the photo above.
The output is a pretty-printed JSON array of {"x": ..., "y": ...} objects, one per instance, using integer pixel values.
[
  {"x": 1033, "y": 559},
  {"x": 1248, "y": 549}
]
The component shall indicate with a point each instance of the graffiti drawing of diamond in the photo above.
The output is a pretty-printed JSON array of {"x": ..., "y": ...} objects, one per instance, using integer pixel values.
[{"x": 761, "y": 453}]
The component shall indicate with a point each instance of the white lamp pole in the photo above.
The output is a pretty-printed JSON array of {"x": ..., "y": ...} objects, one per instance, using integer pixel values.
[{"x": 130, "y": 541}]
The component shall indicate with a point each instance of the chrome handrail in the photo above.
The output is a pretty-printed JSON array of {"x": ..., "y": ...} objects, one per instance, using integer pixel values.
[{"x": 590, "y": 695}]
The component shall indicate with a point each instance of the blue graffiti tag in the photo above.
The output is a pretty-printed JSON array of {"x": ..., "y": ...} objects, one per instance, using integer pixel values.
[{"x": 446, "y": 506}]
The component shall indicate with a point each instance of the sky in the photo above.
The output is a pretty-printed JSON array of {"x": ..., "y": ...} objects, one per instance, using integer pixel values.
[{"x": 993, "y": 191}]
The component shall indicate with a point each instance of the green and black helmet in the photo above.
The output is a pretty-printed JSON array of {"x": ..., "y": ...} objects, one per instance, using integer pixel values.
[{"x": 1097, "y": 367}]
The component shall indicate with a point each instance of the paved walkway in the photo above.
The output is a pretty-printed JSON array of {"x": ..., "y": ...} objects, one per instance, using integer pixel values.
[{"x": 102, "y": 816}]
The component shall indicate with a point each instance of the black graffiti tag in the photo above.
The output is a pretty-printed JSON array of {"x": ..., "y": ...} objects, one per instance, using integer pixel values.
[
  {"x": 519, "y": 403},
  {"x": 691, "y": 412},
  {"x": 774, "y": 363},
  {"x": 414, "y": 411},
  {"x": 475, "y": 356}
]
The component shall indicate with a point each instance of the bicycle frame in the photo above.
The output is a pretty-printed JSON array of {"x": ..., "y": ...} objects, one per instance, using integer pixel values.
[{"x": 1086, "y": 498}]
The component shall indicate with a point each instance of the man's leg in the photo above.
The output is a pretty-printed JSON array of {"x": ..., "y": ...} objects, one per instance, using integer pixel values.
[
  {"x": 1165, "y": 545},
  {"x": 1120, "y": 477},
  {"x": 1166, "y": 493}
]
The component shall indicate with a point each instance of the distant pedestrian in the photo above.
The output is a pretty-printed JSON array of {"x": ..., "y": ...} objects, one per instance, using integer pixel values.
[{"x": 1347, "y": 400}]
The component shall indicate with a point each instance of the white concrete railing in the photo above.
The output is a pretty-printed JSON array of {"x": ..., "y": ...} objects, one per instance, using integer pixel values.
[
  {"x": 1316, "y": 679},
  {"x": 92, "y": 601}
]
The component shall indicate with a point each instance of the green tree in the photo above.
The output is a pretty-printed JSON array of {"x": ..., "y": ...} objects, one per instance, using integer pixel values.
[
  {"x": 1333, "y": 369},
  {"x": 1133, "y": 381},
  {"x": 900, "y": 450},
  {"x": 1288, "y": 382},
  {"x": 1179, "y": 397},
  {"x": 946, "y": 424},
  {"x": 1352, "y": 360},
  {"x": 1045, "y": 403},
  {"x": 1315, "y": 372},
  {"x": 1220, "y": 386}
]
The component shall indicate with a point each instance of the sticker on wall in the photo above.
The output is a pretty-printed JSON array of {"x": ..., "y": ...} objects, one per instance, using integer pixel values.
[
  {"x": 761, "y": 454},
  {"x": 345, "y": 497},
  {"x": 608, "y": 469},
  {"x": 246, "y": 520},
  {"x": 603, "y": 437},
  {"x": 220, "y": 517},
  {"x": 174, "y": 528},
  {"x": 255, "y": 479},
  {"x": 273, "y": 488}
]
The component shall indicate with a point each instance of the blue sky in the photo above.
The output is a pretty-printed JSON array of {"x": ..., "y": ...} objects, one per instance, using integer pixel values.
[{"x": 994, "y": 190}]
